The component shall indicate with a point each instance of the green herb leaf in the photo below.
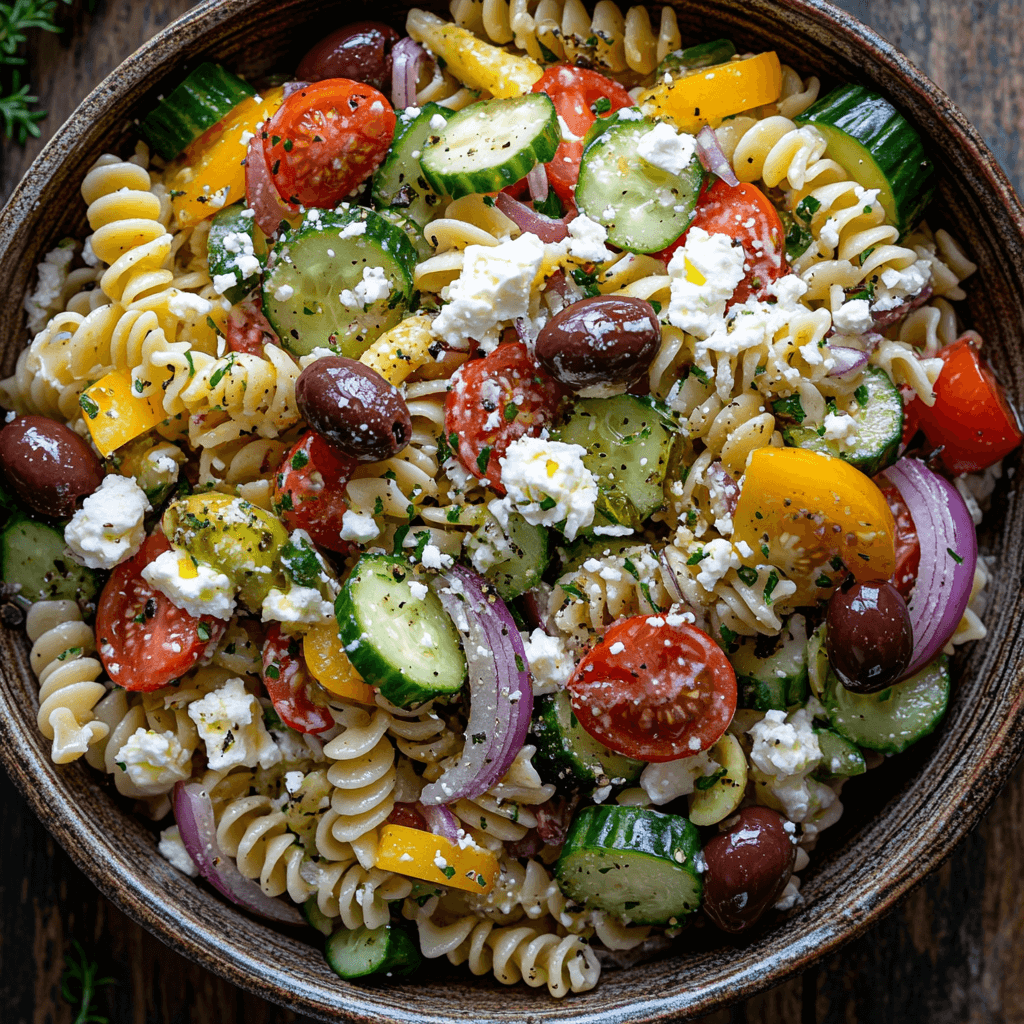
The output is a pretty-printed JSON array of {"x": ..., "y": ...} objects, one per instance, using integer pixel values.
[
  {"x": 861, "y": 394},
  {"x": 707, "y": 781}
]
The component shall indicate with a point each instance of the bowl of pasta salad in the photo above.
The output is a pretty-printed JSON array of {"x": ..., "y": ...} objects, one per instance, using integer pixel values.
[{"x": 511, "y": 496}]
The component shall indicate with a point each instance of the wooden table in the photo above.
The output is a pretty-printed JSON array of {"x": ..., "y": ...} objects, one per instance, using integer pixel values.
[{"x": 949, "y": 955}]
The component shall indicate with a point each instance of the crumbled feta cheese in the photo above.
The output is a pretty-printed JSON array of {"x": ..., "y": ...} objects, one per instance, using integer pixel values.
[
  {"x": 784, "y": 745},
  {"x": 663, "y": 147},
  {"x": 283, "y": 292},
  {"x": 550, "y": 662},
  {"x": 230, "y": 723},
  {"x": 109, "y": 526},
  {"x": 418, "y": 590},
  {"x": 359, "y": 528},
  {"x": 297, "y": 605},
  {"x": 48, "y": 295},
  {"x": 587, "y": 238},
  {"x": 489, "y": 544},
  {"x": 853, "y": 317},
  {"x": 437, "y": 122},
  {"x": 187, "y": 306},
  {"x": 841, "y": 427},
  {"x": 896, "y": 286},
  {"x": 353, "y": 230},
  {"x": 548, "y": 483},
  {"x": 703, "y": 274},
  {"x": 374, "y": 287},
  {"x": 293, "y": 781},
  {"x": 432, "y": 558},
  {"x": 198, "y": 588},
  {"x": 670, "y": 780},
  {"x": 153, "y": 761},
  {"x": 172, "y": 849},
  {"x": 719, "y": 558}
]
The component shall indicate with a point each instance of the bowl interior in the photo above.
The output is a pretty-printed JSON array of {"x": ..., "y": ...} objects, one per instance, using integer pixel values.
[{"x": 890, "y": 836}]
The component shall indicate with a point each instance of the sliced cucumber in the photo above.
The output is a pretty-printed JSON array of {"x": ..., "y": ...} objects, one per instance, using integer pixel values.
[
  {"x": 877, "y": 146},
  {"x": 359, "y": 952},
  {"x": 629, "y": 443},
  {"x": 315, "y": 290},
  {"x": 839, "y": 757},
  {"x": 393, "y": 215},
  {"x": 33, "y": 556},
  {"x": 207, "y": 95},
  {"x": 404, "y": 644},
  {"x": 491, "y": 144},
  {"x": 529, "y": 550},
  {"x": 568, "y": 754},
  {"x": 771, "y": 671},
  {"x": 233, "y": 237},
  {"x": 879, "y": 419},
  {"x": 817, "y": 662},
  {"x": 399, "y": 182},
  {"x": 316, "y": 918},
  {"x": 890, "y": 721},
  {"x": 643, "y": 207},
  {"x": 716, "y": 796},
  {"x": 679, "y": 63},
  {"x": 633, "y": 862}
]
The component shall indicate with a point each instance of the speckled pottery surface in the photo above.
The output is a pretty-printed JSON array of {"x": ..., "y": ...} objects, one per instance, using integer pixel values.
[{"x": 900, "y": 822}]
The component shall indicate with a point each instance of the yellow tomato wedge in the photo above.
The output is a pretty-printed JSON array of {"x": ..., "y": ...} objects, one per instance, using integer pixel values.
[
  {"x": 329, "y": 665},
  {"x": 411, "y": 851},
  {"x": 476, "y": 63},
  {"x": 810, "y": 511},
  {"x": 210, "y": 174},
  {"x": 115, "y": 414},
  {"x": 716, "y": 92}
]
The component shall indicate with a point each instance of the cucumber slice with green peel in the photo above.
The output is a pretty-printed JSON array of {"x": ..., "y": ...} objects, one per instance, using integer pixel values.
[
  {"x": 393, "y": 215},
  {"x": 893, "y": 719},
  {"x": 629, "y": 443},
  {"x": 839, "y": 757},
  {"x": 643, "y": 208},
  {"x": 491, "y": 144},
  {"x": 632, "y": 862},
  {"x": 338, "y": 282},
  {"x": 679, "y": 63},
  {"x": 233, "y": 245},
  {"x": 387, "y": 951},
  {"x": 523, "y": 552},
  {"x": 209, "y": 94},
  {"x": 877, "y": 146},
  {"x": 399, "y": 183},
  {"x": 879, "y": 419},
  {"x": 568, "y": 755},
  {"x": 34, "y": 557},
  {"x": 398, "y": 638},
  {"x": 771, "y": 671},
  {"x": 316, "y": 918}
]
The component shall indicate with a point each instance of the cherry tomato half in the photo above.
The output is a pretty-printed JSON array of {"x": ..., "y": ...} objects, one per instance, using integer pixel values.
[
  {"x": 248, "y": 329},
  {"x": 971, "y": 417},
  {"x": 326, "y": 139},
  {"x": 908, "y": 548},
  {"x": 579, "y": 96},
  {"x": 309, "y": 491},
  {"x": 653, "y": 690},
  {"x": 745, "y": 214},
  {"x": 144, "y": 641},
  {"x": 298, "y": 699},
  {"x": 495, "y": 401},
  {"x": 409, "y": 816}
]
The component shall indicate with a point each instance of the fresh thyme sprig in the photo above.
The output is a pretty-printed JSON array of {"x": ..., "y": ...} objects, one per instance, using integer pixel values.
[{"x": 79, "y": 983}]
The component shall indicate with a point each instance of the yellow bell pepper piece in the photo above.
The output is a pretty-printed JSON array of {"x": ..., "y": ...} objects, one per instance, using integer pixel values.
[
  {"x": 210, "y": 174},
  {"x": 329, "y": 665},
  {"x": 716, "y": 92},
  {"x": 476, "y": 63},
  {"x": 403, "y": 349},
  {"x": 115, "y": 414},
  {"x": 809, "y": 509},
  {"x": 410, "y": 851}
]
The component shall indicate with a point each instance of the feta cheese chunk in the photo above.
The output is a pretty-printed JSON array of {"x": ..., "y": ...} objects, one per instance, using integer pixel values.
[
  {"x": 670, "y": 780},
  {"x": 197, "y": 588},
  {"x": 853, "y": 317},
  {"x": 587, "y": 238},
  {"x": 551, "y": 664},
  {"x": 172, "y": 849},
  {"x": 153, "y": 761},
  {"x": 372, "y": 288},
  {"x": 109, "y": 526},
  {"x": 230, "y": 723},
  {"x": 719, "y": 558},
  {"x": 297, "y": 606},
  {"x": 784, "y": 745},
  {"x": 47, "y": 299},
  {"x": 548, "y": 484},
  {"x": 842, "y": 428},
  {"x": 666, "y": 149},
  {"x": 355, "y": 526},
  {"x": 703, "y": 274}
]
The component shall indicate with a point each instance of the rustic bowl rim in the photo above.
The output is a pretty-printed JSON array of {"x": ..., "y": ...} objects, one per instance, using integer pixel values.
[{"x": 143, "y": 899}]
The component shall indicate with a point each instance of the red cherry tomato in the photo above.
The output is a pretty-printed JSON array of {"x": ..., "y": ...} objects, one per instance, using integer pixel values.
[
  {"x": 745, "y": 214},
  {"x": 309, "y": 491},
  {"x": 326, "y": 139},
  {"x": 908, "y": 548},
  {"x": 971, "y": 418},
  {"x": 574, "y": 92},
  {"x": 409, "y": 816},
  {"x": 493, "y": 402},
  {"x": 300, "y": 701},
  {"x": 653, "y": 690},
  {"x": 248, "y": 329},
  {"x": 144, "y": 641}
]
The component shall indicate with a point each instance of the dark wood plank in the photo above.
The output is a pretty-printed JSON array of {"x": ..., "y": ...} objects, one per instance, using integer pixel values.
[{"x": 949, "y": 955}]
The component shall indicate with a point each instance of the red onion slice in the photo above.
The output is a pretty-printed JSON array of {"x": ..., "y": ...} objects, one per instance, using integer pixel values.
[
  {"x": 261, "y": 194},
  {"x": 949, "y": 554},
  {"x": 501, "y": 697},
  {"x": 290, "y": 87},
  {"x": 712, "y": 159},
  {"x": 545, "y": 228},
  {"x": 441, "y": 821},
  {"x": 847, "y": 360},
  {"x": 406, "y": 56},
  {"x": 193, "y": 811},
  {"x": 537, "y": 180}
]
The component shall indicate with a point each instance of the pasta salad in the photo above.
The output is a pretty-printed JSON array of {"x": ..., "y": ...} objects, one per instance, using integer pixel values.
[{"x": 494, "y": 489}]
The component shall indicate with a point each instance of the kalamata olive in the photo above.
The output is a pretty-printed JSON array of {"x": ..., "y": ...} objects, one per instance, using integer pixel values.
[
  {"x": 48, "y": 465},
  {"x": 748, "y": 866},
  {"x": 353, "y": 408},
  {"x": 606, "y": 340},
  {"x": 869, "y": 638},
  {"x": 360, "y": 51}
]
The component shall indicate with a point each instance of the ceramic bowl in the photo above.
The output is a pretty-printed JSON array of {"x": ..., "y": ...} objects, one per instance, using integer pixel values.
[{"x": 891, "y": 836}]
